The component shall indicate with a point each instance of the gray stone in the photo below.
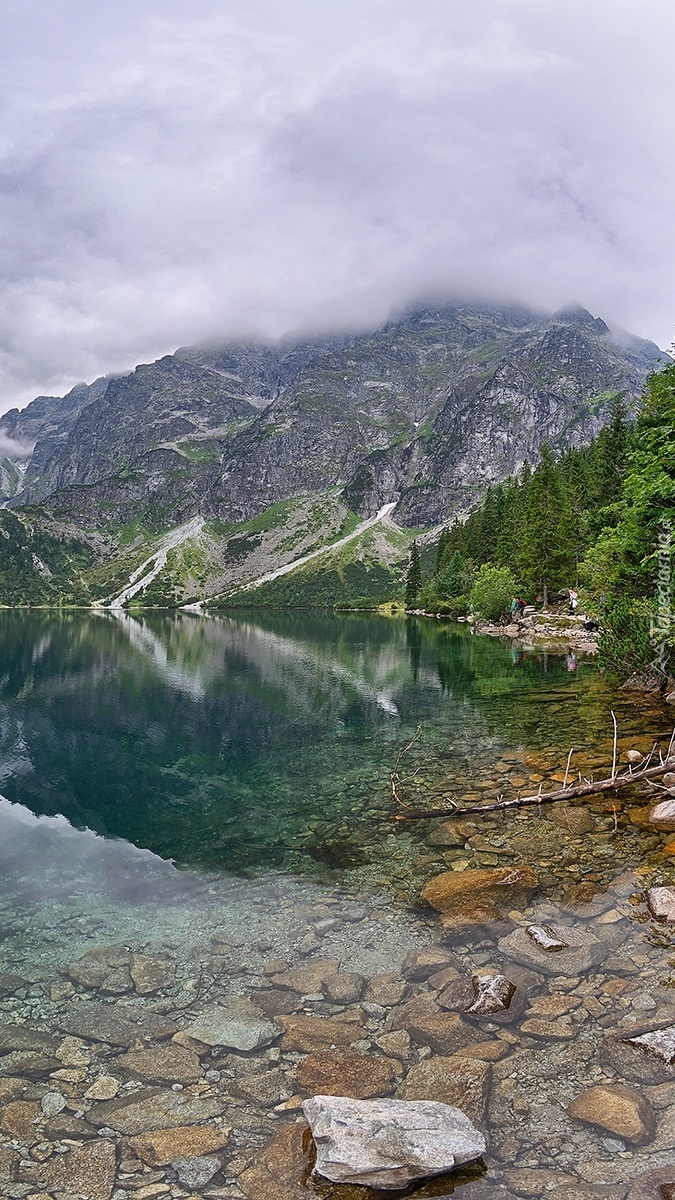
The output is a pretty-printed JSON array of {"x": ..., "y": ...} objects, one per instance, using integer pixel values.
[
  {"x": 20, "y": 1037},
  {"x": 582, "y": 951},
  {"x": 661, "y": 904},
  {"x": 389, "y": 1143},
  {"x": 52, "y": 1104},
  {"x": 196, "y": 1171},
  {"x": 240, "y": 1026},
  {"x": 153, "y": 1108},
  {"x": 116, "y": 1026}
]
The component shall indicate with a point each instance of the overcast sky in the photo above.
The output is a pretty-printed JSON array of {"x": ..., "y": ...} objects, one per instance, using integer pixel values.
[{"x": 174, "y": 171}]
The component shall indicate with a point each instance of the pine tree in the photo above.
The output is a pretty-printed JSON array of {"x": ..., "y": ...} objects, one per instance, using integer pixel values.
[{"x": 413, "y": 581}]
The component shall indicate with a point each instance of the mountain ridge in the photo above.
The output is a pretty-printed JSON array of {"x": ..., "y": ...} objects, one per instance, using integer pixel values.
[{"x": 425, "y": 412}]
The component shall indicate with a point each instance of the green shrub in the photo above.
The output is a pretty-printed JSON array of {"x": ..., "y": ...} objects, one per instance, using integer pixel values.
[
  {"x": 492, "y": 592},
  {"x": 624, "y": 646}
]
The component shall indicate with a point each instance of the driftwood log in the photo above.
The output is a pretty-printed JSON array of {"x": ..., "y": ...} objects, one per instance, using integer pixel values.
[{"x": 587, "y": 788}]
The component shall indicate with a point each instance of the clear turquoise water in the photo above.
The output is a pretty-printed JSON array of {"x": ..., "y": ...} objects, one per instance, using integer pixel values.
[
  {"x": 168, "y": 779},
  {"x": 240, "y": 745}
]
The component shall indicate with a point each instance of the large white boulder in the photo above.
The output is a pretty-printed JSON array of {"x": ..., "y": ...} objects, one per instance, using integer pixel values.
[{"x": 389, "y": 1143}]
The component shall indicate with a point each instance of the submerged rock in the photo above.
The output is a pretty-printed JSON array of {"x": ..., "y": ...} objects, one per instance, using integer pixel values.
[
  {"x": 662, "y": 816},
  {"x": 158, "y": 1147},
  {"x": 452, "y": 1080},
  {"x": 617, "y": 1108},
  {"x": 582, "y": 951},
  {"x": 105, "y": 969},
  {"x": 544, "y": 937},
  {"x": 196, "y": 1171},
  {"x": 659, "y": 1042},
  {"x": 151, "y": 972},
  {"x": 240, "y": 1026},
  {"x": 389, "y": 1143},
  {"x": 494, "y": 993},
  {"x": 114, "y": 1025},
  {"x": 661, "y": 904},
  {"x": 507, "y": 886},
  {"x": 345, "y": 1073},
  {"x": 88, "y": 1170}
]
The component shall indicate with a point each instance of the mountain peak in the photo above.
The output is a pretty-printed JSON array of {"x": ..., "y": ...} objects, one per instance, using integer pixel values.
[{"x": 576, "y": 314}]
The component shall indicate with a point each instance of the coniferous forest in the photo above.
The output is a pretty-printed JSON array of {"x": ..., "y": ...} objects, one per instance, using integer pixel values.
[{"x": 597, "y": 518}]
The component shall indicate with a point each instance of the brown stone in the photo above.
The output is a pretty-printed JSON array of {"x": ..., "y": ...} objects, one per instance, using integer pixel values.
[
  {"x": 396, "y": 1044},
  {"x": 553, "y": 1031},
  {"x": 345, "y": 987},
  {"x": 552, "y": 1005},
  {"x": 441, "y": 979},
  {"x": 444, "y": 1032},
  {"x": 16, "y": 1119},
  {"x": 471, "y": 917},
  {"x": 317, "y": 1033},
  {"x": 9, "y": 1162},
  {"x": 536, "y": 1182},
  {"x": 11, "y": 1089},
  {"x": 308, "y": 978},
  {"x": 385, "y": 990},
  {"x": 275, "y": 1002},
  {"x": 151, "y": 972},
  {"x": 457, "y": 996},
  {"x": 571, "y": 819},
  {"x": 454, "y": 832},
  {"x": 88, "y": 1170},
  {"x": 617, "y": 1108},
  {"x": 282, "y": 1167},
  {"x": 510, "y": 887},
  {"x": 486, "y": 1051},
  {"x": 10, "y": 983},
  {"x": 418, "y": 965},
  {"x": 106, "y": 968},
  {"x": 26, "y": 1062},
  {"x": 360, "y": 1076},
  {"x": 105, "y": 1087},
  {"x": 461, "y": 1082},
  {"x": 19, "y": 1037},
  {"x": 161, "y": 1146},
  {"x": 162, "y": 1064}
]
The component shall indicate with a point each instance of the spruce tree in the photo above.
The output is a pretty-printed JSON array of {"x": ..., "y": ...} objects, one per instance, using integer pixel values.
[
  {"x": 413, "y": 581},
  {"x": 546, "y": 559}
]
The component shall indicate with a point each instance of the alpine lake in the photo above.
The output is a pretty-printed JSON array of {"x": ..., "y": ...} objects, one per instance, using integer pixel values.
[{"x": 199, "y": 846}]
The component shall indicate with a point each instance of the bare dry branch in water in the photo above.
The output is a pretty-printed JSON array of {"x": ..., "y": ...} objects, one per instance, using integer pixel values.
[{"x": 589, "y": 787}]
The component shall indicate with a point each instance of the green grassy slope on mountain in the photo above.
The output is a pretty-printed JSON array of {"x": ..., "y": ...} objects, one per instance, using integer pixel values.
[{"x": 372, "y": 566}]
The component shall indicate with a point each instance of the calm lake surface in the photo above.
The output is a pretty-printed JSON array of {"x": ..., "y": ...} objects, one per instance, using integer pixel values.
[{"x": 210, "y": 800}]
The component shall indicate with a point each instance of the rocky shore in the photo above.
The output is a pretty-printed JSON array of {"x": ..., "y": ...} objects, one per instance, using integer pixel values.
[
  {"x": 537, "y": 629},
  {"x": 135, "y": 1074}
]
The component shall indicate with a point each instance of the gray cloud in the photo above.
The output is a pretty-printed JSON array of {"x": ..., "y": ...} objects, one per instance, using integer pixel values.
[{"x": 174, "y": 171}]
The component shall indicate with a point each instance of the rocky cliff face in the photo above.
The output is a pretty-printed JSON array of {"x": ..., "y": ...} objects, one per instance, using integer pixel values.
[{"x": 427, "y": 411}]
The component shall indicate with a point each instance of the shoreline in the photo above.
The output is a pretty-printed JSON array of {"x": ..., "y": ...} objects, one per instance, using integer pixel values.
[{"x": 530, "y": 632}]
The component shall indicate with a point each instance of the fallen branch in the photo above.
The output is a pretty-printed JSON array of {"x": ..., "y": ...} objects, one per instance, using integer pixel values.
[{"x": 614, "y": 783}]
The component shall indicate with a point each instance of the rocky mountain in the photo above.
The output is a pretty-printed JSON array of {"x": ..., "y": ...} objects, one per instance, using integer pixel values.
[{"x": 425, "y": 412}]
